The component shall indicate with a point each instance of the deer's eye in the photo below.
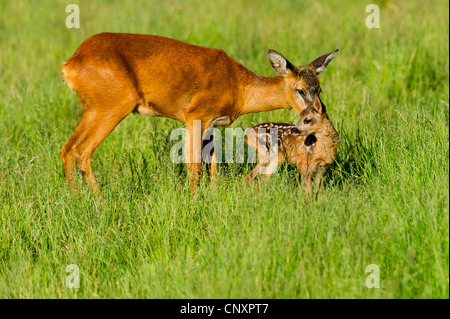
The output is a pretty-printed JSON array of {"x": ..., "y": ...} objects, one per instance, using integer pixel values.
[
  {"x": 307, "y": 121},
  {"x": 295, "y": 130},
  {"x": 301, "y": 92}
]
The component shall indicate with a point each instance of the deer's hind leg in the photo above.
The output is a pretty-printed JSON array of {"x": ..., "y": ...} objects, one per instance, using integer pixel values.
[
  {"x": 108, "y": 96},
  {"x": 67, "y": 151},
  {"x": 99, "y": 128},
  {"x": 101, "y": 115}
]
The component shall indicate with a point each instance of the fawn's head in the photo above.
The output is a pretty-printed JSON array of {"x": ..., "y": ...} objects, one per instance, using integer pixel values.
[
  {"x": 301, "y": 83},
  {"x": 313, "y": 119}
]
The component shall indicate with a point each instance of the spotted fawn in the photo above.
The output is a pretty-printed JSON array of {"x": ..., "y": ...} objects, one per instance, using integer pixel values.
[{"x": 311, "y": 144}]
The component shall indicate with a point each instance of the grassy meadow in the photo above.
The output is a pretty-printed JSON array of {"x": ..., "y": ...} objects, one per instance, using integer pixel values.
[{"x": 385, "y": 200}]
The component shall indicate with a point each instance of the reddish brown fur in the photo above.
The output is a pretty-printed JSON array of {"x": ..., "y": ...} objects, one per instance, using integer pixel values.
[{"x": 115, "y": 74}]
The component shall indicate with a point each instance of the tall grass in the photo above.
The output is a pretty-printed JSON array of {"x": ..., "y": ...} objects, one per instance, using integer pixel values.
[{"x": 385, "y": 200}]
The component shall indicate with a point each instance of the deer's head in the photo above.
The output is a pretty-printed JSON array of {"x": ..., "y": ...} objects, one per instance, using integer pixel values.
[
  {"x": 313, "y": 119},
  {"x": 301, "y": 83}
]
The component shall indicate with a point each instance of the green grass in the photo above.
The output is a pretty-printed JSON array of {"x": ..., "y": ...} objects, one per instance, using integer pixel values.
[{"x": 385, "y": 200}]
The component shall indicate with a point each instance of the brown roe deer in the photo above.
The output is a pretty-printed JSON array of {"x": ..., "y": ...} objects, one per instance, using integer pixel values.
[
  {"x": 115, "y": 74},
  {"x": 311, "y": 145}
]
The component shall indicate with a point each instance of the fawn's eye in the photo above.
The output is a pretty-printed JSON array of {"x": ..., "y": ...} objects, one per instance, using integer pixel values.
[
  {"x": 295, "y": 130},
  {"x": 307, "y": 121},
  {"x": 301, "y": 92}
]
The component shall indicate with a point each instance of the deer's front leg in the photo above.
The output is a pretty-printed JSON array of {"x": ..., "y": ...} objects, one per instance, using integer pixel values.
[
  {"x": 193, "y": 147},
  {"x": 209, "y": 154},
  {"x": 213, "y": 166}
]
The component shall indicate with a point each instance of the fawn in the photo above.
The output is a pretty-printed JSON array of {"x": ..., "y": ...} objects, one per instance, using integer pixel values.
[
  {"x": 116, "y": 74},
  {"x": 311, "y": 144}
]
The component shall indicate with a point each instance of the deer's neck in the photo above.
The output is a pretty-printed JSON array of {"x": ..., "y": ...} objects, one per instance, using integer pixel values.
[
  {"x": 260, "y": 94},
  {"x": 328, "y": 136}
]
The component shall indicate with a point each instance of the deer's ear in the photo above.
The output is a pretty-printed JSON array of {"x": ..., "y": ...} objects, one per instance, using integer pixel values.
[
  {"x": 318, "y": 105},
  {"x": 279, "y": 63},
  {"x": 321, "y": 63}
]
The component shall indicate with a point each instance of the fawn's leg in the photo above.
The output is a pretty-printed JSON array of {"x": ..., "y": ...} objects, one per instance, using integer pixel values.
[
  {"x": 267, "y": 165},
  {"x": 306, "y": 178},
  {"x": 268, "y": 169},
  {"x": 319, "y": 177},
  {"x": 255, "y": 171}
]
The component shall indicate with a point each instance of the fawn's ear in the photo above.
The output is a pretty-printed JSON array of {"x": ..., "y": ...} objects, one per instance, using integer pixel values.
[
  {"x": 279, "y": 63},
  {"x": 321, "y": 63},
  {"x": 318, "y": 105}
]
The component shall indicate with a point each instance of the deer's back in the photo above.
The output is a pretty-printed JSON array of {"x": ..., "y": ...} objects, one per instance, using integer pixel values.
[{"x": 162, "y": 72}]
